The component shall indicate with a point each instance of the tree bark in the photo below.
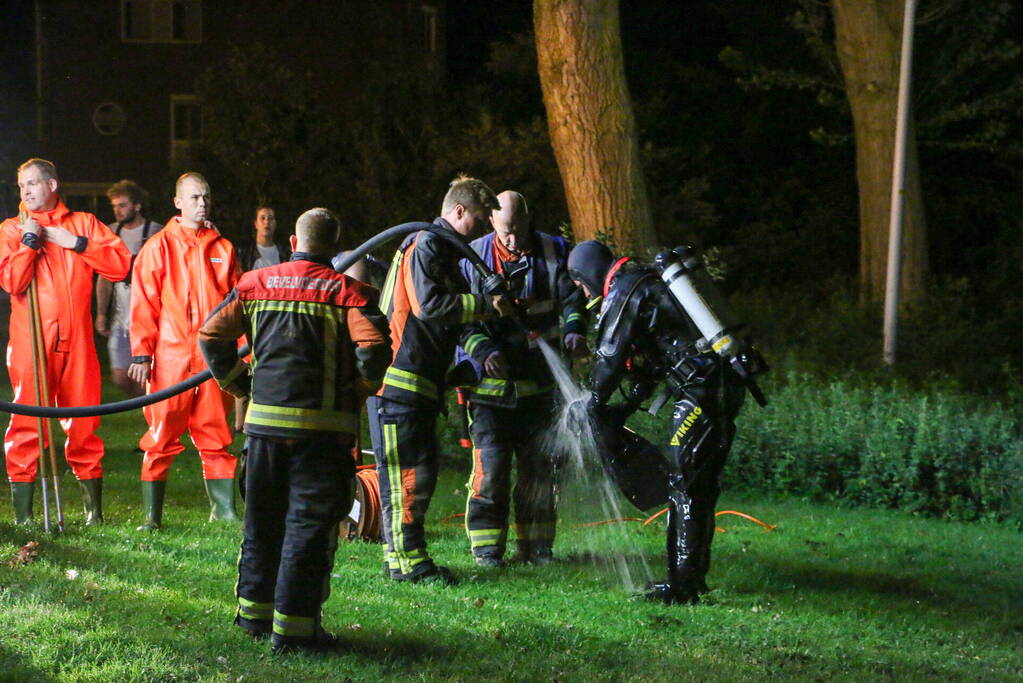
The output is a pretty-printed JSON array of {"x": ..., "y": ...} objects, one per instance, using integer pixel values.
[
  {"x": 589, "y": 115},
  {"x": 868, "y": 38}
]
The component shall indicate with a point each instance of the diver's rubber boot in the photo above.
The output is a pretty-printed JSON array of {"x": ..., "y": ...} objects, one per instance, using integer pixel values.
[
  {"x": 152, "y": 503},
  {"x": 682, "y": 536},
  {"x": 92, "y": 500},
  {"x": 21, "y": 496},
  {"x": 221, "y": 494}
]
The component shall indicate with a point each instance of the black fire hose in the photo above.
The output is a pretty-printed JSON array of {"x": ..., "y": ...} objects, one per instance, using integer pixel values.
[{"x": 492, "y": 281}]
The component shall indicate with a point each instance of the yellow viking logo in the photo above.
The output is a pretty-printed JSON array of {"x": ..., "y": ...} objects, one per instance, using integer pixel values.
[{"x": 683, "y": 428}]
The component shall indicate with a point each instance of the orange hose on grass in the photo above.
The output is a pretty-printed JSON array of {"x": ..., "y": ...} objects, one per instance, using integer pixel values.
[
  {"x": 371, "y": 509},
  {"x": 769, "y": 527},
  {"x": 448, "y": 519}
]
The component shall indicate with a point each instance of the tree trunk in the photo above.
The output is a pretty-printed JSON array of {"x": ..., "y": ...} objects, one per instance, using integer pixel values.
[
  {"x": 589, "y": 115},
  {"x": 868, "y": 37}
]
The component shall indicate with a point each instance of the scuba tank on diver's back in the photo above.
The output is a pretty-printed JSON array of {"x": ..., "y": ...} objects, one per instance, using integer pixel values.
[{"x": 703, "y": 302}]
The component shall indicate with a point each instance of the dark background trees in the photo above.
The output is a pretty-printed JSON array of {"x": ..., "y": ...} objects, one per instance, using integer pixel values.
[{"x": 746, "y": 138}]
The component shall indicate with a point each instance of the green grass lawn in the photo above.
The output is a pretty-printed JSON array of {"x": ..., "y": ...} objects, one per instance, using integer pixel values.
[{"x": 834, "y": 592}]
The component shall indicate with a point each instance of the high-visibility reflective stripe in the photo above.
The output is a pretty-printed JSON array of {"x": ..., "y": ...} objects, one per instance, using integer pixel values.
[
  {"x": 301, "y": 418},
  {"x": 479, "y": 538},
  {"x": 491, "y": 386},
  {"x": 392, "y": 276},
  {"x": 330, "y": 336},
  {"x": 474, "y": 341},
  {"x": 394, "y": 486},
  {"x": 572, "y": 317},
  {"x": 261, "y": 611},
  {"x": 594, "y": 302},
  {"x": 297, "y": 627},
  {"x": 315, "y": 308},
  {"x": 468, "y": 308},
  {"x": 409, "y": 381}
]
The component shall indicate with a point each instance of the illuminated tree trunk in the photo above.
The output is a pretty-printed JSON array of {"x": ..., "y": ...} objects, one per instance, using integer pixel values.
[
  {"x": 868, "y": 36},
  {"x": 589, "y": 115}
]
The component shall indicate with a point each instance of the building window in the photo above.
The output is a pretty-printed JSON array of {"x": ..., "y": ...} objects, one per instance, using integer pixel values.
[
  {"x": 185, "y": 125},
  {"x": 161, "y": 21},
  {"x": 430, "y": 14}
]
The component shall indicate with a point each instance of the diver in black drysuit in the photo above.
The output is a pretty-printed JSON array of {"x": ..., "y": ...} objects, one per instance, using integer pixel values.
[{"x": 644, "y": 338}]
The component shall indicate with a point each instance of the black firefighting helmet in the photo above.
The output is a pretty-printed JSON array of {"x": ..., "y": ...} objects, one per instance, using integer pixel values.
[{"x": 589, "y": 263}]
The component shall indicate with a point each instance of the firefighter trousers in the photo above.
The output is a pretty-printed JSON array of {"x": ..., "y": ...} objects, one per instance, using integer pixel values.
[
  {"x": 297, "y": 491},
  {"x": 501, "y": 437},
  {"x": 405, "y": 449}
]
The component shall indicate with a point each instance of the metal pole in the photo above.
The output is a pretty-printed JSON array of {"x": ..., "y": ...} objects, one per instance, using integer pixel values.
[{"x": 898, "y": 200}]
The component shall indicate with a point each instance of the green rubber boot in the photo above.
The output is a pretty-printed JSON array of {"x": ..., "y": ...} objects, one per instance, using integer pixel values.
[
  {"x": 152, "y": 503},
  {"x": 21, "y": 495},
  {"x": 221, "y": 494},
  {"x": 92, "y": 500}
]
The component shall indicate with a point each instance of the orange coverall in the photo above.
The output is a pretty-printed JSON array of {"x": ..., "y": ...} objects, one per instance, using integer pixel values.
[
  {"x": 181, "y": 275},
  {"x": 64, "y": 283}
]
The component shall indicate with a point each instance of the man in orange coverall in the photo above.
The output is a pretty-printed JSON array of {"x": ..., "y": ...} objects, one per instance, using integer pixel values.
[
  {"x": 180, "y": 275},
  {"x": 61, "y": 250}
]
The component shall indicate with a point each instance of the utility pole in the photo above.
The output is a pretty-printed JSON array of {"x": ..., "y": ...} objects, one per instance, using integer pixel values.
[{"x": 898, "y": 200}]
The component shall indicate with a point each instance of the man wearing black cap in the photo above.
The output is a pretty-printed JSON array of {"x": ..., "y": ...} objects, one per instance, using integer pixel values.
[{"x": 645, "y": 337}]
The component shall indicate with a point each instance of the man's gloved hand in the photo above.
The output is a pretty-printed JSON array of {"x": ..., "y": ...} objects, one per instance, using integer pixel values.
[
  {"x": 575, "y": 345},
  {"x": 503, "y": 304},
  {"x": 496, "y": 366}
]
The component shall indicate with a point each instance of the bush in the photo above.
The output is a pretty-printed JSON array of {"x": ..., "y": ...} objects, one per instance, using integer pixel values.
[{"x": 929, "y": 452}]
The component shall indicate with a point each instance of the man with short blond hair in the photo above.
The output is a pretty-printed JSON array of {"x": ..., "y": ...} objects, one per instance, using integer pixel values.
[
  {"x": 61, "y": 251},
  {"x": 428, "y": 304},
  {"x": 180, "y": 275}
]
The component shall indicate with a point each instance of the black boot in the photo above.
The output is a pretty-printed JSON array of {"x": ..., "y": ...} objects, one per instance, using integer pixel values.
[
  {"x": 21, "y": 495},
  {"x": 681, "y": 587},
  {"x": 152, "y": 503},
  {"x": 92, "y": 500},
  {"x": 703, "y": 512},
  {"x": 221, "y": 495}
]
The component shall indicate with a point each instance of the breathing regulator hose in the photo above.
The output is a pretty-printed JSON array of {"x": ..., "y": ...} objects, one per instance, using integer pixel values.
[{"x": 493, "y": 283}]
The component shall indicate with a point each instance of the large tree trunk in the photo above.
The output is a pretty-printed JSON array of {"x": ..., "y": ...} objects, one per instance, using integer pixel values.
[
  {"x": 868, "y": 36},
  {"x": 589, "y": 115}
]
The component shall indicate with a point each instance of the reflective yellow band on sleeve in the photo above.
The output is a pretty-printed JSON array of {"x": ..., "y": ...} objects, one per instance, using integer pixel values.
[
  {"x": 468, "y": 307},
  {"x": 409, "y": 381}
]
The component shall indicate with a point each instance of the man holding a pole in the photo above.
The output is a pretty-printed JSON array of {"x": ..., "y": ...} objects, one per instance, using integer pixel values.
[{"x": 60, "y": 251}]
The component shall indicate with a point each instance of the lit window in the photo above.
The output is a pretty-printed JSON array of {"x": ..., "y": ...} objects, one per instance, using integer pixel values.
[
  {"x": 185, "y": 125},
  {"x": 161, "y": 21}
]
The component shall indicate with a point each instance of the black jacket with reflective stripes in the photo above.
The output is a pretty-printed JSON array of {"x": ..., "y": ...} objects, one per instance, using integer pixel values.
[
  {"x": 319, "y": 345},
  {"x": 428, "y": 304}
]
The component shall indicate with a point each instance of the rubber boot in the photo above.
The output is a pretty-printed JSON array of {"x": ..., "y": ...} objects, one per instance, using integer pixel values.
[
  {"x": 680, "y": 587},
  {"x": 703, "y": 511},
  {"x": 21, "y": 495},
  {"x": 152, "y": 503},
  {"x": 221, "y": 494},
  {"x": 92, "y": 500}
]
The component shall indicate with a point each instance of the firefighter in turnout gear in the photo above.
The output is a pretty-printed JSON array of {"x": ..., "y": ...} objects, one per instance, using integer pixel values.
[
  {"x": 428, "y": 304},
  {"x": 645, "y": 337},
  {"x": 512, "y": 406},
  {"x": 179, "y": 276},
  {"x": 319, "y": 345}
]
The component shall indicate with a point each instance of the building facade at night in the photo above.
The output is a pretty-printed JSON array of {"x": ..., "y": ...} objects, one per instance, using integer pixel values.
[{"x": 106, "y": 88}]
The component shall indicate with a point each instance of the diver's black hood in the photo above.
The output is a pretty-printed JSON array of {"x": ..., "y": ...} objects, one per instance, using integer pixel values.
[{"x": 589, "y": 262}]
